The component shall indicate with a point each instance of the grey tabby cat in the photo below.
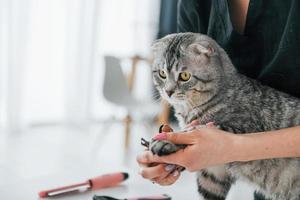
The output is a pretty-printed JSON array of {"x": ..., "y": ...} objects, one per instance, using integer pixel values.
[{"x": 195, "y": 75}]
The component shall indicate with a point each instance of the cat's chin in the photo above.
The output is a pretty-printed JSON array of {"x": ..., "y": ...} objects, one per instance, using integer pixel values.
[{"x": 175, "y": 101}]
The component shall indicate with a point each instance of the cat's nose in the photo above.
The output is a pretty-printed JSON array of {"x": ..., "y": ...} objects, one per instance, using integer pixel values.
[{"x": 170, "y": 92}]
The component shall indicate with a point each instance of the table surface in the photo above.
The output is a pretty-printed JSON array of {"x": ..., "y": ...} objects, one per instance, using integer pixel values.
[{"x": 44, "y": 158}]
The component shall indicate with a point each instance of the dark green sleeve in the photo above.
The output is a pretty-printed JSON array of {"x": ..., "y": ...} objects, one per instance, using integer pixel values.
[
  {"x": 193, "y": 16},
  {"x": 269, "y": 49}
]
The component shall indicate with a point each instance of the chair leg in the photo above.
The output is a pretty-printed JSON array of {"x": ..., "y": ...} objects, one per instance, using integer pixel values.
[
  {"x": 127, "y": 121},
  {"x": 163, "y": 117}
]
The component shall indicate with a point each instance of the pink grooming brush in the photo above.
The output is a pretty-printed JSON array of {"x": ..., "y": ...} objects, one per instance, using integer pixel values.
[{"x": 104, "y": 181}]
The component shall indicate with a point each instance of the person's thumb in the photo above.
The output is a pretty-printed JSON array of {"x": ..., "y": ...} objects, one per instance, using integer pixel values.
[{"x": 178, "y": 138}]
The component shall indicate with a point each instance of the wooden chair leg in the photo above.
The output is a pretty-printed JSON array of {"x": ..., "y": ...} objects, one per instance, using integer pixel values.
[
  {"x": 128, "y": 122},
  {"x": 163, "y": 118}
]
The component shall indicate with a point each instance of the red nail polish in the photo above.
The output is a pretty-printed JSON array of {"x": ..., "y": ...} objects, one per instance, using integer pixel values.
[
  {"x": 210, "y": 124},
  {"x": 195, "y": 122},
  {"x": 161, "y": 136}
]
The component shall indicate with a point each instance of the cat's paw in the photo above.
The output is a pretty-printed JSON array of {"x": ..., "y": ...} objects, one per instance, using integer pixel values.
[{"x": 162, "y": 147}]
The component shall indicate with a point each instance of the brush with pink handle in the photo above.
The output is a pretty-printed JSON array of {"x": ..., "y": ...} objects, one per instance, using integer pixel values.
[{"x": 104, "y": 181}]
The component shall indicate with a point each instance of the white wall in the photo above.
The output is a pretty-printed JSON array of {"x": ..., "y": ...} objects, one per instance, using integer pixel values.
[{"x": 51, "y": 52}]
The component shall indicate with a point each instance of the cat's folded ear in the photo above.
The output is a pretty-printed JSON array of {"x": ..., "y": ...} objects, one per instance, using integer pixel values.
[
  {"x": 157, "y": 46},
  {"x": 202, "y": 48},
  {"x": 161, "y": 44}
]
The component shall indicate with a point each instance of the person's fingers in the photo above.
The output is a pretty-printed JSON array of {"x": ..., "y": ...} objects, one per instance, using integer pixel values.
[
  {"x": 158, "y": 171},
  {"x": 193, "y": 124},
  {"x": 153, "y": 172},
  {"x": 169, "y": 179},
  {"x": 143, "y": 165},
  {"x": 148, "y": 164},
  {"x": 147, "y": 157},
  {"x": 196, "y": 122},
  {"x": 178, "y": 138},
  {"x": 177, "y": 158},
  {"x": 210, "y": 125},
  {"x": 169, "y": 168}
]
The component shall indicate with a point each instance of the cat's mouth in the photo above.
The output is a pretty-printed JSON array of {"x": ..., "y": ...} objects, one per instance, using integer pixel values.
[
  {"x": 176, "y": 97},
  {"x": 179, "y": 97},
  {"x": 195, "y": 91}
]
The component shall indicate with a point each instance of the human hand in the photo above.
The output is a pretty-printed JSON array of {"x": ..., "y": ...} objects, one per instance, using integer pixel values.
[
  {"x": 205, "y": 148},
  {"x": 163, "y": 174}
]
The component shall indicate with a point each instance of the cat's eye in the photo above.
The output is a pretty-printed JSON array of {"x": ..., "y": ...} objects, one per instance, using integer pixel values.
[
  {"x": 162, "y": 74},
  {"x": 184, "y": 76}
]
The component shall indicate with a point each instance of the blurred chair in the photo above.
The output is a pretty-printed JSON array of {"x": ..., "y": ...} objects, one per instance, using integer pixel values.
[{"x": 116, "y": 89}]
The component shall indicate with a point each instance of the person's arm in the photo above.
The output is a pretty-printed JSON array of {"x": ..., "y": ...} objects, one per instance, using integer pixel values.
[
  {"x": 210, "y": 146},
  {"x": 272, "y": 144}
]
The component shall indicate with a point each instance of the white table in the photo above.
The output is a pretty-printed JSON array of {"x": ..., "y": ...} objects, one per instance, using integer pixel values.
[{"x": 43, "y": 158}]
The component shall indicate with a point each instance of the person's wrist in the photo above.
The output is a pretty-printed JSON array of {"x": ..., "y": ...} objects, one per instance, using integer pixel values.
[{"x": 237, "y": 147}]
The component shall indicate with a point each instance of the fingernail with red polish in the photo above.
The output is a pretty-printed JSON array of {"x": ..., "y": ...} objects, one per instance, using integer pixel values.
[
  {"x": 169, "y": 167},
  {"x": 210, "y": 124},
  {"x": 175, "y": 173},
  {"x": 161, "y": 136},
  {"x": 195, "y": 123}
]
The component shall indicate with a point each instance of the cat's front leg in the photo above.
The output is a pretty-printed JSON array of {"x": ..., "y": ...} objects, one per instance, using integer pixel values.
[{"x": 214, "y": 183}]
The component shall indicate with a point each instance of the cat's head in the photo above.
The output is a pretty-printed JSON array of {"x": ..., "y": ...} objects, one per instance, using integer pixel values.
[{"x": 189, "y": 68}]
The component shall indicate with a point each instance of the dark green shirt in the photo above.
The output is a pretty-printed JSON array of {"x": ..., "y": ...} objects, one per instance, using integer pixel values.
[{"x": 269, "y": 49}]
